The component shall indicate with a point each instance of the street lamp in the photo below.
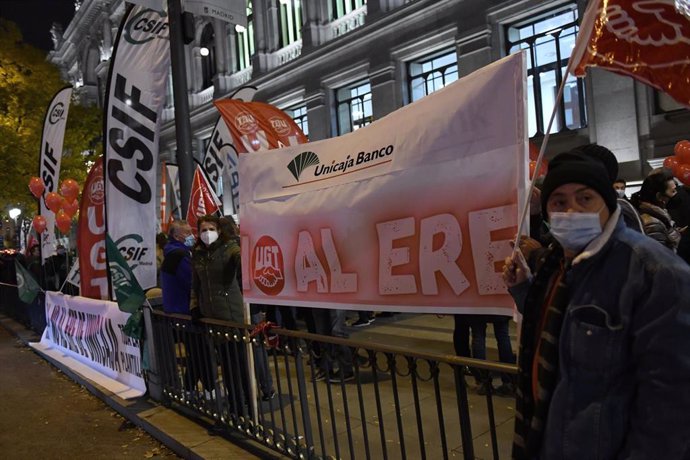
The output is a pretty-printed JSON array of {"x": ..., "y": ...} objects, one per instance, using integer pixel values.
[
  {"x": 204, "y": 51},
  {"x": 14, "y": 213}
]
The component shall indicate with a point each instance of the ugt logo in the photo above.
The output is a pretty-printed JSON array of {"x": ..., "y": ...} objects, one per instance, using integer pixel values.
[
  {"x": 302, "y": 161},
  {"x": 268, "y": 266}
]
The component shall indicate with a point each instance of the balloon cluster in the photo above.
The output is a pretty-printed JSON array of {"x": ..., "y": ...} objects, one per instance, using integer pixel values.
[
  {"x": 64, "y": 205},
  {"x": 533, "y": 156},
  {"x": 679, "y": 162}
]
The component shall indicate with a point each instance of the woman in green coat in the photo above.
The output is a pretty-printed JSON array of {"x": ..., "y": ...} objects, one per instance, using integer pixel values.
[{"x": 216, "y": 266}]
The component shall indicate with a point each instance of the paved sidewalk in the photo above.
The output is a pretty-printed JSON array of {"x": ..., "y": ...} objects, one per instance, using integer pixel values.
[
  {"x": 190, "y": 439},
  {"x": 183, "y": 436}
]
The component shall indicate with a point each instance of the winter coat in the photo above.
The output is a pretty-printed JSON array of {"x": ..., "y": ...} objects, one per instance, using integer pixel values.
[
  {"x": 215, "y": 288},
  {"x": 658, "y": 225},
  {"x": 176, "y": 277},
  {"x": 624, "y": 352}
]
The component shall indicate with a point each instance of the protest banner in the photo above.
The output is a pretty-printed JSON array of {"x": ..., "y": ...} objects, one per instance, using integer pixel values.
[{"x": 414, "y": 212}]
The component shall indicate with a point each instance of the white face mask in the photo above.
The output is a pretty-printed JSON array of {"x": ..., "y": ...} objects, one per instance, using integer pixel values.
[
  {"x": 574, "y": 230},
  {"x": 621, "y": 193},
  {"x": 209, "y": 237}
]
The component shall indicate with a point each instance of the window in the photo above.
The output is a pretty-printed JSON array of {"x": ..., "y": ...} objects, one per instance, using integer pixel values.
[
  {"x": 549, "y": 40},
  {"x": 244, "y": 45},
  {"x": 344, "y": 7},
  {"x": 208, "y": 61},
  {"x": 299, "y": 114},
  {"x": 290, "y": 21},
  {"x": 426, "y": 75},
  {"x": 353, "y": 104}
]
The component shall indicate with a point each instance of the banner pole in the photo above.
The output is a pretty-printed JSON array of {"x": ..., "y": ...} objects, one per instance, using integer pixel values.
[{"x": 250, "y": 361}]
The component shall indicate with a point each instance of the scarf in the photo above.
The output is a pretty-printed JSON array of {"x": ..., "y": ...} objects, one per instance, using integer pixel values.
[{"x": 538, "y": 364}]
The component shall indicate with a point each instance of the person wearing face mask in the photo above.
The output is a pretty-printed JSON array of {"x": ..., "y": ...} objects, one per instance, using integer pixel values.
[
  {"x": 176, "y": 268},
  {"x": 216, "y": 294},
  {"x": 657, "y": 190},
  {"x": 604, "y": 359}
]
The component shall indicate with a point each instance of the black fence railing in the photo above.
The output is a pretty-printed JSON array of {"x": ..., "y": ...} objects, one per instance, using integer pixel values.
[{"x": 317, "y": 397}]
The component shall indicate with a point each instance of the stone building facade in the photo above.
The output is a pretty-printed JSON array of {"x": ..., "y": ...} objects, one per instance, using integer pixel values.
[{"x": 338, "y": 65}]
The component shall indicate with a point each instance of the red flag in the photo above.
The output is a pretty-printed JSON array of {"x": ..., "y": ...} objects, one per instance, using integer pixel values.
[
  {"x": 648, "y": 40},
  {"x": 91, "y": 236},
  {"x": 202, "y": 200},
  {"x": 258, "y": 126}
]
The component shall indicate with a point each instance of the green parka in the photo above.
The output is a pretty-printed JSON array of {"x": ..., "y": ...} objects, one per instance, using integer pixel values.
[{"x": 215, "y": 287}]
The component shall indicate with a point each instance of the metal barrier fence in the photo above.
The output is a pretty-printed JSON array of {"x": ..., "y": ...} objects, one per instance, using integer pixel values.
[{"x": 319, "y": 397}]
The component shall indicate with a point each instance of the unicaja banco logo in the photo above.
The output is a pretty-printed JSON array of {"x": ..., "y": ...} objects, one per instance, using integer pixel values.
[
  {"x": 302, "y": 161},
  {"x": 145, "y": 26}
]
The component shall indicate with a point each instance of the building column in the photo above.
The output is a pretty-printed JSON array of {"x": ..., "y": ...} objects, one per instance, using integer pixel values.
[
  {"x": 264, "y": 37},
  {"x": 315, "y": 18},
  {"x": 377, "y": 8},
  {"x": 614, "y": 115},
  {"x": 386, "y": 95},
  {"x": 318, "y": 114},
  {"x": 474, "y": 52}
]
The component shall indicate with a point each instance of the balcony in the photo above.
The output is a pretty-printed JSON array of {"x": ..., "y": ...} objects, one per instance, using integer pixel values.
[
  {"x": 347, "y": 23},
  {"x": 288, "y": 53}
]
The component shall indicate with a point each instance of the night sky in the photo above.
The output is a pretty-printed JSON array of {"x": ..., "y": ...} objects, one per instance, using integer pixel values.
[{"x": 34, "y": 18}]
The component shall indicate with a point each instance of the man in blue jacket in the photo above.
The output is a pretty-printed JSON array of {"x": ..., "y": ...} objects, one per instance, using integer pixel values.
[
  {"x": 604, "y": 363},
  {"x": 176, "y": 269}
]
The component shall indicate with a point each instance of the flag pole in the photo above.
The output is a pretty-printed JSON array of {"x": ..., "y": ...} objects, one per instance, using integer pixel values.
[{"x": 542, "y": 150}]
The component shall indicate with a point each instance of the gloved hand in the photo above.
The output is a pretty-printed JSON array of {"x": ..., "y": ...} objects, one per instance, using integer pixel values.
[{"x": 196, "y": 314}]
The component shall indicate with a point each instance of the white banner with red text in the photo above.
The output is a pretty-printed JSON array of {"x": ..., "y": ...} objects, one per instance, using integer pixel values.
[
  {"x": 86, "y": 335},
  {"x": 414, "y": 212}
]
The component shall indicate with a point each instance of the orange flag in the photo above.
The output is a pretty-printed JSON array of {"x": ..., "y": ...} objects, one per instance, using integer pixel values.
[
  {"x": 258, "y": 126},
  {"x": 648, "y": 40},
  {"x": 202, "y": 200}
]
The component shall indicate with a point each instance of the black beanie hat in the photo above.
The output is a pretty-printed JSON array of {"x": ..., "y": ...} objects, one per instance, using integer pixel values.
[{"x": 568, "y": 168}]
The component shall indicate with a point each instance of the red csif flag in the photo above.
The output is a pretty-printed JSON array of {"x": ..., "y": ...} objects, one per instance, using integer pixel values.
[
  {"x": 648, "y": 40},
  {"x": 202, "y": 200}
]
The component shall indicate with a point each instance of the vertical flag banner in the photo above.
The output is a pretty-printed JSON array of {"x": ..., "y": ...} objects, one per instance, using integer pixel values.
[
  {"x": 648, "y": 40},
  {"x": 415, "y": 212},
  {"x": 256, "y": 126},
  {"x": 26, "y": 284},
  {"x": 202, "y": 200},
  {"x": 164, "y": 200},
  {"x": 220, "y": 160},
  {"x": 135, "y": 98},
  {"x": 49, "y": 166},
  {"x": 91, "y": 235},
  {"x": 214, "y": 161}
]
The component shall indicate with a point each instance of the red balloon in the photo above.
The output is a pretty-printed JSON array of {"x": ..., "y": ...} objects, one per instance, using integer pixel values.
[
  {"x": 39, "y": 224},
  {"x": 533, "y": 152},
  {"x": 63, "y": 221},
  {"x": 69, "y": 189},
  {"x": 53, "y": 201},
  {"x": 683, "y": 173},
  {"x": 36, "y": 186},
  {"x": 671, "y": 163},
  {"x": 682, "y": 151},
  {"x": 70, "y": 208}
]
